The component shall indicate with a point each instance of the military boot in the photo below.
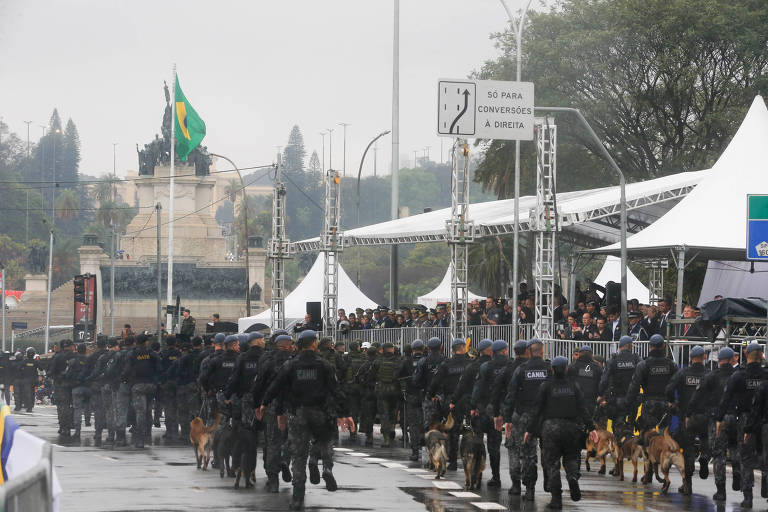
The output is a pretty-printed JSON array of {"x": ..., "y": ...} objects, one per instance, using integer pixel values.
[
  {"x": 704, "y": 469},
  {"x": 330, "y": 481},
  {"x": 530, "y": 492},
  {"x": 747, "y": 501},
  {"x": 314, "y": 473},
  {"x": 736, "y": 484},
  {"x": 573, "y": 486},
  {"x": 297, "y": 499},
  {"x": 764, "y": 485},
  {"x": 286, "y": 472},
  {"x": 557, "y": 501},
  {"x": 515, "y": 490},
  {"x": 720, "y": 494},
  {"x": 273, "y": 484}
]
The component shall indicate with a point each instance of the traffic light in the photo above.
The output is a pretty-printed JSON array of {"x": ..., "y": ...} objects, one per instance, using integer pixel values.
[{"x": 80, "y": 289}]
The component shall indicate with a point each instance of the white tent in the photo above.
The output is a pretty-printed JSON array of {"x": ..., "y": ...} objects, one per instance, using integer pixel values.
[
  {"x": 442, "y": 293},
  {"x": 310, "y": 289},
  {"x": 734, "y": 279},
  {"x": 711, "y": 220},
  {"x": 611, "y": 271}
]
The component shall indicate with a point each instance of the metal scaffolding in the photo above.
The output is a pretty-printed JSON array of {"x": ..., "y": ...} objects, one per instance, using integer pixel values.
[
  {"x": 460, "y": 234},
  {"x": 332, "y": 245},
  {"x": 656, "y": 270},
  {"x": 545, "y": 225},
  {"x": 280, "y": 249}
]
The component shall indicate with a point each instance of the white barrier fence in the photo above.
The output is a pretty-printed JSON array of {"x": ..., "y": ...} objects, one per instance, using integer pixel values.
[{"x": 32, "y": 490}]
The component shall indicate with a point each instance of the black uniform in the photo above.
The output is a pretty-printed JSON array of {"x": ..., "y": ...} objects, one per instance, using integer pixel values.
[
  {"x": 142, "y": 368},
  {"x": 705, "y": 401},
  {"x": 560, "y": 418},
  {"x": 498, "y": 393},
  {"x": 214, "y": 374},
  {"x": 101, "y": 385},
  {"x": 443, "y": 385},
  {"x": 481, "y": 401},
  {"x": 739, "y": 392},
  {"x": 63, "y": 390},
  {"x": 352, "y": 388},
  {"x": 77, "y": 375},
  {"x": 652, "y": 374},
  {"x": 6, "y": 376},
  {"x": 587, "y": 374},
  {"x": 519, "y": 406},
  {"x": 308, "y": 387},
  {"x": 167, "y": 392},
  {"x": 240, "y": 383},
  {"x": 95, "y": 401},
  {"x": 422, "y": 378},
  {"x": 25, "y": 382},
  {"x": 614, "y": 385},
  {"x": 413, "y": 399},
  {"x": 187, "y": 392},
  {"x": 384, "y": 372},
  {"x": 680, "y": 390}
]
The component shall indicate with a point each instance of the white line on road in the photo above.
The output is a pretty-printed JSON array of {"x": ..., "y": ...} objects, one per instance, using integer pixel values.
[{"x": 488, "y": 505}]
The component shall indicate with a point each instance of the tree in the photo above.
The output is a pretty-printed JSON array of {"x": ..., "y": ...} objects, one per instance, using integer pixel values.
[
  {"x": 664, "y": 83},
  {"x": 104, "y": 190},
  {"x": 67, "y": 204},
  {"x": 70, "y": 155},
  {"x": 294, "y": 152},
  {"x": 232, "y": 189},
  {"x": 314, "y": 163}
]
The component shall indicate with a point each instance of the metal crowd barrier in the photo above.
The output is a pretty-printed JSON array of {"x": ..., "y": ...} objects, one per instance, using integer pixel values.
[{"x": 33, "y": 489}]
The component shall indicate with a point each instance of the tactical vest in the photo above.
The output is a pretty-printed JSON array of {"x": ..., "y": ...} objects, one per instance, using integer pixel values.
[
  {"x": 623, "y": 367},
  {"x": 533, "y": 374},
  {"x": 658, "y": 372},
  {"x": 561, "y": 400},
  {"x": 386, "y": 371},
  {"x": 431, "y": 363},
  {"x": 28, "y": 370},
  {"x": 488, "y": 373},
  {"x": 754, "y": 375},
  {"x": 307, "y": 380},
  {"x": 586, "y": 377},
  {"x": 722, "y": 374},
  {"x": 691, "y": 379},
  {"x": 143, "y": 365},
  {"x": 454, "y": 368},
  {"x": 355, "y": 361}
]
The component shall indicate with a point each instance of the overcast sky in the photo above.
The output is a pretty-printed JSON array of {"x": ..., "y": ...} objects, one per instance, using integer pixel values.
[{"x": 252, "y": 69}]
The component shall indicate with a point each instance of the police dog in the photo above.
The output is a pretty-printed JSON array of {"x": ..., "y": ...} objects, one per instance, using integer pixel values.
[
  {"x": 472, "y": 451},
  {"x": 630, "y": 449},
  {"x": 435, "y": 439},
  {"x": 664, "y": 452},
  {"x": 606, "y": 444},
  {"x": 201, "y": 438},
  {"x": 223, "y": 441},
  {"x": 244, "y": 456}
]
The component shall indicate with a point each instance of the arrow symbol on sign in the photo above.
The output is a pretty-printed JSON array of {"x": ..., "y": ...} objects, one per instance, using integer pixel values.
[{"x": 463, "y": 111}]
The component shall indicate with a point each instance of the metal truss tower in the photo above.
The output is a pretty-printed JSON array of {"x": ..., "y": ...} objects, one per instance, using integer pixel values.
[
  {"x": 656, "y": 279},
  {"x": 280, "y": 249},
  {"x": 545, "y": 225},
  {"x": 332, "y": 245},
  {"x": 460, "y": 234}
]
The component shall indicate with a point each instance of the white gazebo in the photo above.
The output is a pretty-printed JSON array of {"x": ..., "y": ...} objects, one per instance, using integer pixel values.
[{"x": 442, "y": 293}]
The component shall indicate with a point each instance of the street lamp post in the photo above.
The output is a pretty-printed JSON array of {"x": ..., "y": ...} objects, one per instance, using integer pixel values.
[
  {"x": 245, "y": 229},
  {"x": 359, "y": 172},
  {"x": 518, "y": 28},
  {"x": 53, "y": 188},
  {"x": 344, "y": 157},
  {"x": 322, "y": 134}
]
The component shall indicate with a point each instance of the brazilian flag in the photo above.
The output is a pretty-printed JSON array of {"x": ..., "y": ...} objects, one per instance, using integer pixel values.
[{"x": 190, "y": 128}]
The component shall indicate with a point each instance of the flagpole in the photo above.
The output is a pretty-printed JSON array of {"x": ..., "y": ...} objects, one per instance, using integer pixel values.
[{"x": 169, "y": 291}]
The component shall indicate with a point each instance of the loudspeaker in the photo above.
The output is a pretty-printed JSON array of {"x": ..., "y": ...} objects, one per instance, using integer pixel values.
[
  {"x": 315, "y": 310},
  {"x": 613, "y": 294}
]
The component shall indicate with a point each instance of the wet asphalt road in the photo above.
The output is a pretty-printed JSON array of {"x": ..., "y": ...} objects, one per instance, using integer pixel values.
[{"x": 164, "y": 478}]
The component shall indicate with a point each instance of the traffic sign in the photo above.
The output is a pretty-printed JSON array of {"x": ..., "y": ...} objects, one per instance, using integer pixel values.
[
  {"x": 757, "y": 227},
  {"x": 485, "y": 109}
]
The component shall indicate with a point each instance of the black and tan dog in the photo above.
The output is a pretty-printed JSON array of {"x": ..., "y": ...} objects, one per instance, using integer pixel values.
[
  {"x": 630, "y": 449},
  {"x": 662, "y": 451},
  {"x": 472, "y": 451},
  {"x": 435, "y": 440},
  {"x": 605, "y": 445}
]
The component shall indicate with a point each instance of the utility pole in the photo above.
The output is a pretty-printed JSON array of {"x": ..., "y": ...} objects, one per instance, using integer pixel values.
[
  {"x": 112, "y": 283},
  {"x": 48, "y": 297},
  {"x": 280, "y": 249},
  {"x": 28, "y": 123},
  {"x": 330, "y": 148},
  {"x": 159, "y": 281},
  {"x": 394, "y": 210},
  {"x": 375, "y": 158},
  {"x": 344, "y": 157},
  {"x": 322, "y": 134}
]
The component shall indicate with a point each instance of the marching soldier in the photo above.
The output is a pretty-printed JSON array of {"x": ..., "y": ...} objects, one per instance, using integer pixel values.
[
  {"x": 63, "y": 388},
  {"x": 614, "y": 385},
  {"x": 76, "y": 376},
  {"x": 482, "y": 409},
  {"x": 679, "y": 393},
  {"x": 586, "y": 373},
  {"x": 498, "y": 393},
  {"x": 519, "y": 408},
  {"x": 102, "y": 387},
  {"x": 413, "y": 397},
  {"x": 187, "y": 394},
  {"x": 425, "y": 371},
  {"x": 238, "y": 389},
  {"x": 652, "y": 375},
  {"x": 353, "y": 390},
  {"x": 443, "y": 385},
  {"x": 559, "y": 417},
  {"x": 307, "y": 384},
  {"x": 168, "y": 388},
  {"x": 142, "y": 368},
  {"x": 26, "y": 381},
  {"x": 187, "y": 329},
  {"x": 383, "y": 373},
  {"x": 705, "y": 401},
  {"x": 739, "y": 391},
  {"x": 95, "y": 400}
]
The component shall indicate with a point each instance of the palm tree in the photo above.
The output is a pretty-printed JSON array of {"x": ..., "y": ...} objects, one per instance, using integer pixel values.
[
  {"x": 232, "y": 188},
  {"x": 67, "y": 205},
  {"x": 109, "y": 213},
  {"x": 489, "y": 266},
  {"x": 104, "y": 190}
]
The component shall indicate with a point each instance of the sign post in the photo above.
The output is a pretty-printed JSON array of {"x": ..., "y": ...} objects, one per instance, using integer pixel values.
[{"x": 757, "y": 237}]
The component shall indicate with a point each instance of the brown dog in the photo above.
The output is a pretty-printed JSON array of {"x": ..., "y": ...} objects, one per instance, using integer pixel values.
[
  {"x": 435, "y": 440},
  {"x": 664, "y": 452},
  {"x": 472, "y": 451},
  {"x": 630, "y": 449},
  {"x": 201, "y": 438},
  {"x": 606, "y": 444}
]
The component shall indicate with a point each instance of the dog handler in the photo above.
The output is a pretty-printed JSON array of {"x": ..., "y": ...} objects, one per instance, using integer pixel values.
[{"x": 559, "y": 418}]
